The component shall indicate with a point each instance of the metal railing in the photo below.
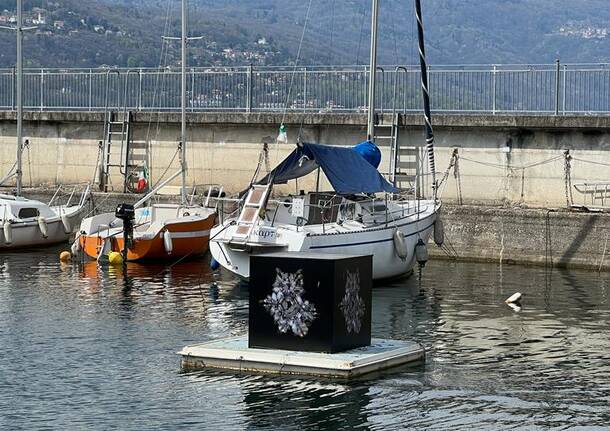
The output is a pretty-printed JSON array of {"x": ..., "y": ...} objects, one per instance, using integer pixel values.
[{"x": 495, "y": 89}]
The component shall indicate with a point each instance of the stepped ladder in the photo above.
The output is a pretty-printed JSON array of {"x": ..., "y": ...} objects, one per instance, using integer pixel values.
[
  {"x": 250, "y": 213},
  {"x": 117, "y": 136},
  {"x": 404, "y": 160}
]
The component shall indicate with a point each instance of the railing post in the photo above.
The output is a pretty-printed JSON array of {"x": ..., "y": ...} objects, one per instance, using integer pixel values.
[
  {"x": 304, "y": 89},
  {"x": 140, "y": 89},
  {"x": 192, "y": 89},
  {"x": 90, "y": 89},
  {"x": 563, "y": 93},
  {"x": 557, "y": 73},
  {"x": 494, "y": 85},
  {"x": 249, "y": 89},
  {"x": 41, "y": 89},
  {"x": 13, "y": 89}
]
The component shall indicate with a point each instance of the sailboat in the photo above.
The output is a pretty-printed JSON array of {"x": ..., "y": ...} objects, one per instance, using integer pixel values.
[
  {"x": 350, "y": 219},
  {"x": 27, "y": 222},
  {"x": 159, "y": 230}
]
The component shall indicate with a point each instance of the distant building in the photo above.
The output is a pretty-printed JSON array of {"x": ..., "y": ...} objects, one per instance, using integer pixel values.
[
  {"x": 262, "y": 41},
  {"x": 40, "y": 20},
  {"x": 59, "y": 25},
  {"x": 98, "y": 28}
]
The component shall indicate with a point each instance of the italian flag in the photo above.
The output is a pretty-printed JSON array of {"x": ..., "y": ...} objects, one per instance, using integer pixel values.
[{"x": 142, "y": 180}]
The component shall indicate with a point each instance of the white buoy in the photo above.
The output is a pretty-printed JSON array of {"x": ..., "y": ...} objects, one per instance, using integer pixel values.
[
  {"x": 515, "y": 307},
  {"x": 8, "y": 232},
  {"x": 400, "y": 246},
  {"x": 439, "y": 231},
  {"x": 42, "y": 225},
  {"x": 66, "y": 222},
  {"x": 167, "y": 241},
  {"x": 514, "y": 298}
]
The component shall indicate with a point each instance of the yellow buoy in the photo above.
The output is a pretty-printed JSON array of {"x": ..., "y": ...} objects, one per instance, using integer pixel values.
[
  {"x": 65, "y": 256},
  {"x": 115, "y": 258}
]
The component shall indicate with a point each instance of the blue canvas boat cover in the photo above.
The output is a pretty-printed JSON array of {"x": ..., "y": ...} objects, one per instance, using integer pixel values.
[{"x": 347, "y": 171}]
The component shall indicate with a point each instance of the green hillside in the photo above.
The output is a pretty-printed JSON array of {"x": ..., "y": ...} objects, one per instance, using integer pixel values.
[{"x": 128, "y": 32}]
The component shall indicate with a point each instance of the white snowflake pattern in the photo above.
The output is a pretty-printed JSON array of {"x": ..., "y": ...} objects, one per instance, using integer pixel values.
[
  {"x": 287, "y": 306},
  {"x": 352, "y": 304}
]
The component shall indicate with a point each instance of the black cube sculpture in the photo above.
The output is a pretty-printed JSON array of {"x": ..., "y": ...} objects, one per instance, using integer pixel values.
[{"x": 310, "y": 302}]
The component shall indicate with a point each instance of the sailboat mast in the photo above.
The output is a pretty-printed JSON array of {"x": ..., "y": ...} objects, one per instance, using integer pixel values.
[
  {"x": 183, "y": 41},
  {"x": 426, "y": 95},
  {"x": 370, "y": 132},
  {"x": 19, "y": 92}
]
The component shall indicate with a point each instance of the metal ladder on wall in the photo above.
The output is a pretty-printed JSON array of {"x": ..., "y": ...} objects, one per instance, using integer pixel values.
[
  {"x": 404, "y": 161},
  {"x": 250, "y": 213},
  {"x": 117, "y": 137},
  {"x": 119, "y": 150}
]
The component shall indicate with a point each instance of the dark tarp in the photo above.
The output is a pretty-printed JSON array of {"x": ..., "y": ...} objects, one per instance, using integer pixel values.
[{"x": 347, "y": 171}]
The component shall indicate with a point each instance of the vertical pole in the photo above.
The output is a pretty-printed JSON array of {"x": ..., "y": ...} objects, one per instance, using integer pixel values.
[
  {"x": 372, "y": 72},
  {"x": 140, "y": 89},
  {"x": 304, "y": 89},
  {"x": 90, "y": 89},
  {"x": 19, "y": 93},
  {"x": 41, "y": 90},
  {"x": 426, "y": 96},
  {"x": 192, "y": 90},
  {"x": 557, "y": 76},
  {"x": 493, "y": 95},
  {"x": 13, "y": 89},
  {"x": 565, "y": 73},
  {"x": 183, "y": 105},
  {"x": 249, "y": 89}
]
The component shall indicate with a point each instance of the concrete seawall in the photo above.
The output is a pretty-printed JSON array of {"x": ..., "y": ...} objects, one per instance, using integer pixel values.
[
  {"x": 515, "y": 235},
  {"x": 503, "y": 159},
  {"x": 527, "y": 236}
]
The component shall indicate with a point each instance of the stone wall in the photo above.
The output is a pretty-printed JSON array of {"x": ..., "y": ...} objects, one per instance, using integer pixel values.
[{"x": 224, "y": 148}]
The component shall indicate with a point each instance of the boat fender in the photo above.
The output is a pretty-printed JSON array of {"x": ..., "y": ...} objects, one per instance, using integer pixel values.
[
  {"x": 214, "y": 265},
  {"x": 42, "y": 225},
  {"x": 400, "y": 245},
  {"x": 8, "y": 232},
  {"x": 167, "y": 241},
  {"x": 439, "y": 232},
  {"x": 66, "y": 222},
  {"x": 421, "y": 252},
  {"x": 75, "y": 248}
]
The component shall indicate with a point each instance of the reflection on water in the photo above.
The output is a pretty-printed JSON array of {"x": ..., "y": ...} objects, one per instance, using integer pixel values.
[{"x": 92, "y": 348}]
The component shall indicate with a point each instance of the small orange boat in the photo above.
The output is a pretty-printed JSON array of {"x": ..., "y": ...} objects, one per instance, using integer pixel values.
[{"x": 160, "y": 231}]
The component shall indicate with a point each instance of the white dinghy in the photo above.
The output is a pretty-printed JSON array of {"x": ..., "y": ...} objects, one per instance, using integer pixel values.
[{"x": 27, "y": 222}]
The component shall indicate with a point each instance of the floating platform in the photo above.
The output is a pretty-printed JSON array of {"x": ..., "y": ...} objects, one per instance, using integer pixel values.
[{"x": 234, "y": 354}]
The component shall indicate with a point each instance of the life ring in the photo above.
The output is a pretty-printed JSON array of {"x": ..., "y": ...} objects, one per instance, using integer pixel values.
[{"x": 400, "y": 245}]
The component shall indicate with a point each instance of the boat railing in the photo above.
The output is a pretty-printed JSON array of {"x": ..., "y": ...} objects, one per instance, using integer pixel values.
[{"x": 594, "y": 193}]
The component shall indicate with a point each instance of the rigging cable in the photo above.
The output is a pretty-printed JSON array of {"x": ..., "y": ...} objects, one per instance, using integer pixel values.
[{"x": 296, "y": 61}]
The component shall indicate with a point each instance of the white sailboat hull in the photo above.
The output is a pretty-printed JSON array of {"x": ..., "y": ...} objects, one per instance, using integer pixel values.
[
  {"x": 59, "y": 223},
  {"x": 376, "y": 241}
]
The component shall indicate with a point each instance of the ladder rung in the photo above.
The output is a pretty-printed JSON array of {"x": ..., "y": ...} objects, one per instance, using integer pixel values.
[
  {"x": 138, "y": 157},
  {"x": 138, "y": 144},
  {"x": 404, "y": 177},
  {"x": 407, "y": 165},
  {"x": 408, "y": 151}
]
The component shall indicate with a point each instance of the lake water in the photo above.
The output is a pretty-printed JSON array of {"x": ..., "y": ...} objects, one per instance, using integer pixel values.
[{"x": 87, "y": 348}]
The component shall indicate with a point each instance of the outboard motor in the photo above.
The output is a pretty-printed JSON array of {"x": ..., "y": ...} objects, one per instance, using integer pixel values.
[{"x": 127, "y": 214}]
